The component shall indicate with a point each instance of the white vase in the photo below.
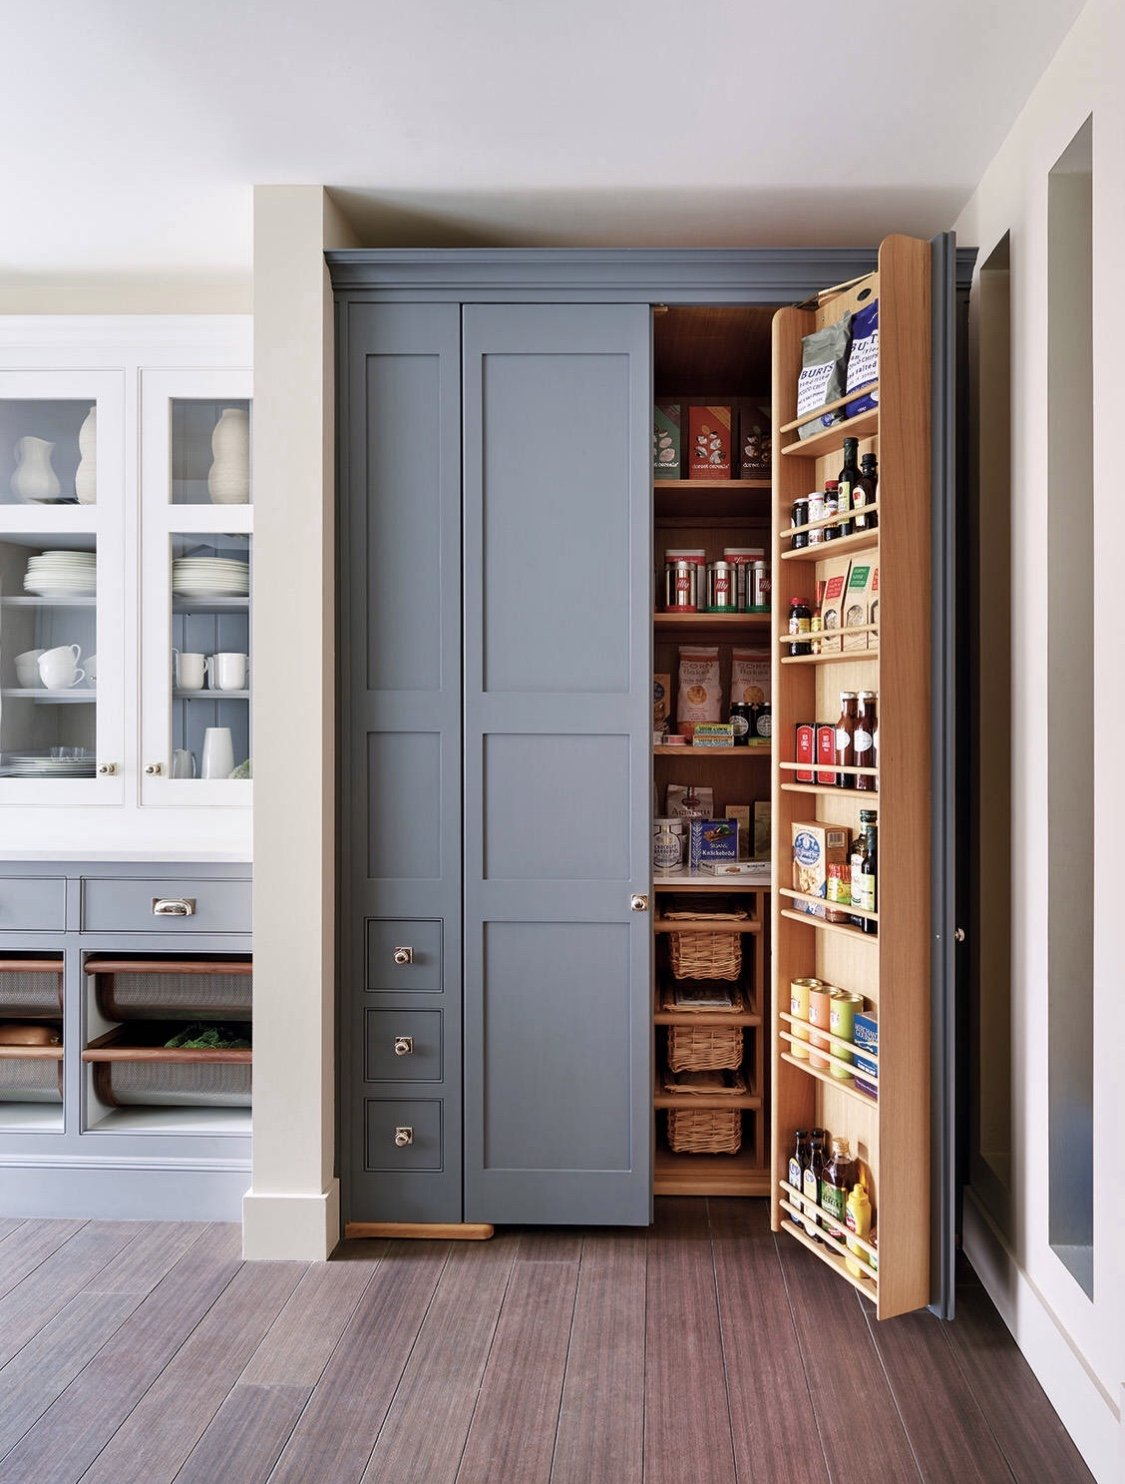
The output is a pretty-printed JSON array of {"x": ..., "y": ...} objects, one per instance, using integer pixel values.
[
  {"x": 34, "y": 478},
  {"x": 228, "y": 481},
  {"x": 218, "y": 753},
  {"x": 86, "y": 478}
]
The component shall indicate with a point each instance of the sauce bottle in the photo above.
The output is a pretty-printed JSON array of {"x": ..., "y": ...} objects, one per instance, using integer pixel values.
[
  {"x": 858, "y": 1220},
  {"x": 836, "y": 1180},
  {"x": 797, "y": 1162},
  {"x": 810, "y": 1182},
  {"x": 849, "y": 478},
  {"x": 816, "y": 624},
  {"x": 800, "y": 622},
  {"x": 864, "y": 494},
  {"x": 865, "y": 868},
  {"x": 864, "y": 738},
  {"x": 845, "y": 738},
  {"x": 831, "y": 507}
]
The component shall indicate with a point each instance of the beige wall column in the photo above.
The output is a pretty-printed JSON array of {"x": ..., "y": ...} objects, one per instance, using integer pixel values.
[{"x": 292, "y": 1209}]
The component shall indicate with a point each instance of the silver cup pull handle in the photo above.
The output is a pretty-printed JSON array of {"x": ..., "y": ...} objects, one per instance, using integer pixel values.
[{"x": 173, "y": 906}]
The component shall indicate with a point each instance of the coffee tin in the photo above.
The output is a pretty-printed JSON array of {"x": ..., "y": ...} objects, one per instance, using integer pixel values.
[
  {"x": 841, "y": 1022},
  {"x": 721, "y": 589},
  {"x": 681, "y": 591},
  {"x": 820, "y": 1011}
]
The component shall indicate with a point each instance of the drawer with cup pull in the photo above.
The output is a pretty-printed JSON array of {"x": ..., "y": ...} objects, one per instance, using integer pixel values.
[
  {"x": 157, "y": 905},
  {"x": 404, "y": 954},
  {"x": 402, "y": 1046},
  {"x": 32, "y": 904},
  {"x": 402, "y": 1134}
]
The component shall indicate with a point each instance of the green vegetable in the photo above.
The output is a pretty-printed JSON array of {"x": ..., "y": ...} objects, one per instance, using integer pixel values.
[{"x": 202, "y": 1037}]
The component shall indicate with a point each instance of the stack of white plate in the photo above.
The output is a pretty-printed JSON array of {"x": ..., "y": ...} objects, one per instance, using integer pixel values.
[
  {"x": 79, "y": 764},
  {"x": 58, "y": 574},
  {"x": 210, "y": 577}
]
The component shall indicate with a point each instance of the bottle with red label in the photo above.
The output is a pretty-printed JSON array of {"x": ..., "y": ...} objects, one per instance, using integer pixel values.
[{"x": 845, "y": 737}]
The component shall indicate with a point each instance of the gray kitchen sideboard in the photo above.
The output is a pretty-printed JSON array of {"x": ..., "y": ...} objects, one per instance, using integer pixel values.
[{"x": 169, "y": 929}]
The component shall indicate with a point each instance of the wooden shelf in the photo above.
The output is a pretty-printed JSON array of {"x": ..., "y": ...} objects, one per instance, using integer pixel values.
[
  {"x": 827, "y": 1078},
  {"x": 866, "y": 425},
  {"x": 869, "y": 390},
  {"x": 689, "y": 1102},
  {"x": 670, "y": 925},
  {"x": 830, "y": 927},
  {"x": 139, "y": 1043},
  {"x": 720, "y": 885},
  {"x": 709, "y": 1174},
  {"x": 711, "y": 620},
  {"x": 841, "y": 546},
  {"x": 96, "y": 964},
  {"x": 835, "y": 657},
  {"x": 31, "y": 965},
  {"x": 703, "y": 485},
  {"x": 832, "y": 789},
  {"x": 869, "y": 1287},
  {"x": 31, "y": 1053},
  {"x": 752, "y": 749},
  {"x": 705, "y": 1020},
  {"x": 800, "y": 896}
]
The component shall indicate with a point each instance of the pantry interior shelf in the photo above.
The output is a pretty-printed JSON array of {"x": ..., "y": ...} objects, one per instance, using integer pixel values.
[
  {"x": 210, "y": 695},
  {"x": 711, "y": 620},
  {"x": 43, "y": 697},
  {"x": 725, "y": 925},
  {"x": 703, "y": 486},
  {"x": 751, "y": 749},
  {"x": 701, "y": 1102},
  {"x": 841, "y": 546},
  {"x": 832, "y": 789},
  {"x": 834, "y": 635},
  {"x": 844, "y": 1047},
  {"x": 709, "y": 1174},
  {"x": 720, "y": 884},
  {"x": 866, "y": 425},
  {"x": 834, "y": 658},
  {"x": 830, "y": 927},
  {"x": 210, "y": 605},
  {"x": 829, "y": 1081},
  {"x": 705, "y": 1020},
  {"x": 800, "y": 896}
]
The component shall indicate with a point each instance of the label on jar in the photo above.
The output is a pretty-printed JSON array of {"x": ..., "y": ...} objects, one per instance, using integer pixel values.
[
  {"x": 739, "y": 722},
  {"x": 864, "y": 898},
  {"x": 799, "y": 625},
  {"x": 863, "y": 740},
  {"x": 764, "y": 725}
]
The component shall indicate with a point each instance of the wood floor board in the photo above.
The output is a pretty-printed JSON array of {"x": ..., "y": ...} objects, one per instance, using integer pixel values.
[
  {"x": 8, "y": 1225},
  {"x": 156, "y": 1247},
  {"x": 243, "y": 1440},
  {"x": 512, "y": 1433},
  {"x": 1026, "y": 1427},
  {"x": 308, "y": 1329},
  {"x": 31, "y": 1243},
  {"x": 72, "y": 1267},
  {"x": 338, "y": 1428},
  {"x": 845, "y": 1377},
  {"x": 544, "y": 1244},
  {"x": 773, "y": 1423},
  {"x": 687, "y": 1420},
  {"x": 601, "y": 1416},
  {"x": 162, "y": 1429},
  {"x": 71, "y": 1433},
  {"x": 424, "y": 1433}
]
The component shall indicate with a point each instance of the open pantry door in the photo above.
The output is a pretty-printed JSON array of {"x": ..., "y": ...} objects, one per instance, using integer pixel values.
[{"x": 557, "y": 739}]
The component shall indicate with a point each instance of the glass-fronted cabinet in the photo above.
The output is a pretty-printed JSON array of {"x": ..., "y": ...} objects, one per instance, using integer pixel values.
[{"x": 61, "y": 570}]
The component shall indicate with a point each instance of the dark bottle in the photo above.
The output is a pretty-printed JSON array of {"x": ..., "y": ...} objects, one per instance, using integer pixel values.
[
  {"x": 864, "y": 494},
  {"x": 845, "y": 738},
  {"x": 763, "y": 722},
  {"x": 865, "y": 870},
  {"x": 817, "y": 623},
  {"x": 797, "y": 1164},
  {"x": 836, "y": 1181},
  {"x": 740, "y": 720},
  {"x": 810, "y": 1181},
  {"x": 865, "y": 730},
  {"x": 800, "y": 623},
  {"x": 849, "y": 478},
  {"x": 831, "y": 507}
]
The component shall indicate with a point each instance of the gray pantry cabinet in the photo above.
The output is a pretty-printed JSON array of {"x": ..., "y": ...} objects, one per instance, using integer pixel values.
[{"x": 495, "y": 691}]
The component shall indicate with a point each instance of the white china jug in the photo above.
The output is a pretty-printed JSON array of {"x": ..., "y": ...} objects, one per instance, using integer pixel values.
[{"x": 34, "y": 478}]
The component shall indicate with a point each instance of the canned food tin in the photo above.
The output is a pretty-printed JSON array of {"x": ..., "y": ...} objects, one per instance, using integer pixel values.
[
  {"x": 741, "y": 558},
  {"x": 816, "y": 512},
  {"x": 820, "y": 1010},
  {"x": 759, "y": 590},
  {"x": 720, "y": 587},
  {"x": 798, "y": 519},
  {"x": 799, "y": 1009},
  {"x": 681, "y": 593},
  {"x": 841, "y": 1022}
]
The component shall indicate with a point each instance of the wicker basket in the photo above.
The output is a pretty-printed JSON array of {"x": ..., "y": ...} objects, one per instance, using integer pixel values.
[
  {"x": 704, "y": 1130},
  {"x": 706, "y": 955},
  {"x": 697, "y": 1048}
]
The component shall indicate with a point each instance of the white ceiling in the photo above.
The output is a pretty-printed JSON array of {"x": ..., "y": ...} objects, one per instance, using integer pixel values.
[{"x": 135, "y": 129}]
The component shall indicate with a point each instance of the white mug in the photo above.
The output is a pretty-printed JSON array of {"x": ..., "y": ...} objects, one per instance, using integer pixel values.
[
  {"x": 218, "y": 753},
  {"x": 91, "y": 668},
  {"x": 27, "y": 669},
  {"x": 188, "y": 669},
  {"x": 59, "y": 667},
  {"x": 183, "y": 763},
  {"x": 227, "y": 671}
]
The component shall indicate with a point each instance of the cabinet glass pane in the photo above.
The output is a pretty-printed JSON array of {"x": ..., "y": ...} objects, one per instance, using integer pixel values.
[
  {"x": 210, "y": 452},
  {"x": 48, "y": 656},
  {"x": 47, "y": 452},
  {"x": 210, "y": 657}
]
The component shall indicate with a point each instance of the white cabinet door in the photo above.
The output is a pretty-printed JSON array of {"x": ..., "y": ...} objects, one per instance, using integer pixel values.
[
  {"x": 196, "y": 549},
  {"x": 63, "y": 494}
]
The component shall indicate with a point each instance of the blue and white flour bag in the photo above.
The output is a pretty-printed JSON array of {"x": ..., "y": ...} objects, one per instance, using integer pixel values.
[{"x": 863, "y": 360}]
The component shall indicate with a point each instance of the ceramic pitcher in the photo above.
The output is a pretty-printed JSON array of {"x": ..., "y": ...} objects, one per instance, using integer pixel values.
[
  {"x": 34, "y": 478},
  {"x": 228, "y": 482}
]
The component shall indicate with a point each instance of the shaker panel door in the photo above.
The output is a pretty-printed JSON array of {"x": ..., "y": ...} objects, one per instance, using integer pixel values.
[
  {"x": 400, "y": 681},
  {"x": 557, "y": 490}
]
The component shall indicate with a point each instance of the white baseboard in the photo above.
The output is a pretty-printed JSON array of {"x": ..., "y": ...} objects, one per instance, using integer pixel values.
[
  {"x": 290, "y": 1228},
  {"x": 1091, "y": 1419}
]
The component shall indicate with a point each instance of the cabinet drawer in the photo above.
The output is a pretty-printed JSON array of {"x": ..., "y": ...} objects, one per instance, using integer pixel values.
[
  {"x": 120, "y": 906},
  {"x": 402, "y": 1046},
  {"x": 422, "y": 1118},
  {"x": 32, "y": 903},
  {"x": 421, "y": 937}
]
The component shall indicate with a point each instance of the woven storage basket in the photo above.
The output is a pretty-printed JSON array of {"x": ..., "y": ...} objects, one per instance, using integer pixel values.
[
  {"x": 697, "y": 1048},
  {"x": 706, "y": 955},
  {"x": 704, "y": 1130}
]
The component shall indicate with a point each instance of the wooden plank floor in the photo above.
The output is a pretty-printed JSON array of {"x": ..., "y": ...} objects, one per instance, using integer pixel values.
[{"x": 702, "y": 1351}]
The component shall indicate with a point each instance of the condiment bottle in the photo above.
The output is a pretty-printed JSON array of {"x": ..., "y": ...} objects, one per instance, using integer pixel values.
[
  {"x": 836, "y": 1180},
  {"x": 831, "y": 507},
  {"x": 849, "y": 478},
  {"x": 816, "y": 624},
  {"x": 864, "y": 494},
  {"x": 865, "y": 864},
  {"x": 858, "y": 1220},
  {"x": 865, "y": 738},
  {"x": 800, "y": 622},
  {"x": 845, "y": 738},
  {"x": 797, "y": 1161},
  {"x": 810, "y": 1182}
]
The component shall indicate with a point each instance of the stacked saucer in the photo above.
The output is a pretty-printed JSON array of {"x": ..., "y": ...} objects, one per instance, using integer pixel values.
[
  {"x": 59, "y": 574},
  {"x": 210, "y": 577},
  {"x": 54, "y": 762}
]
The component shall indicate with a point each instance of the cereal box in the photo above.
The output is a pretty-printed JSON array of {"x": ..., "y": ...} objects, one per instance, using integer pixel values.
[
  {"x": 865, "y": 1034},
  {"x": 815, "y": 847},
  {"x": 712, "y": 840},
  {"x": 666, "y": 461},
  {"x": 709, "y": 443}
]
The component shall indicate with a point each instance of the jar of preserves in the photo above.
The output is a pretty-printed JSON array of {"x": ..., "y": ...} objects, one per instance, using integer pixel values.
[{"x": 800, "y": 624}]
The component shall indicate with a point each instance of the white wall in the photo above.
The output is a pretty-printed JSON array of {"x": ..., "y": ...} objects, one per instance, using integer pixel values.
[
  {"x": 1075, "y": 1345},
  {"x": 292, "y": 1208}
]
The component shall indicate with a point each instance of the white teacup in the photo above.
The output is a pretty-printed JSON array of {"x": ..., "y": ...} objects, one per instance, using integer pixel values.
[
  {"x": 27, "y": 669},
  {"x": 227, "y": 671},
  {"x": 91, "y": 668},
  {"x": 59, "y": 667},
  {"x": 189, "y": 670}
]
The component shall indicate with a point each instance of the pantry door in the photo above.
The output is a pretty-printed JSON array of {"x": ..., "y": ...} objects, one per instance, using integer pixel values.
[{"x": 557, "y": 533}]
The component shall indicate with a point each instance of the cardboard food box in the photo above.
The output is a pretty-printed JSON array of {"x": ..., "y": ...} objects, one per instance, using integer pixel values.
[
  {"x": 763, "y": 825},
  {"x": 755, "y": 442},
  {"x": 741, "y": 814},
  {"x": 865, "y": 1035},
  {"x": 675, "y": 800},
  {"x": 712, "y": 840},
  {"x": 836, "y": 572},
  {"x": 758, "y": 871},
  {"x": 815, "y": 847},
  {"x": 858, "y": 598},
  {"x": 666, "y": 441},
  {"x": 709, "y": 443},
  {"x": 661, "y": 702},
  {"x": 713, "y": 734}
]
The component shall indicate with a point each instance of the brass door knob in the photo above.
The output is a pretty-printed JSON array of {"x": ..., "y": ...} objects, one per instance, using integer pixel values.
[
  {"x": 404, "y": 1136},
  {"x": 404, "y": 1045},
  {"x": 404, "y": 955}
]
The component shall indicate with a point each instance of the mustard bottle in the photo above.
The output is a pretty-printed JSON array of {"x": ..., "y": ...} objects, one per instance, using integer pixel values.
[{"x": 858, "y": 1220}]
